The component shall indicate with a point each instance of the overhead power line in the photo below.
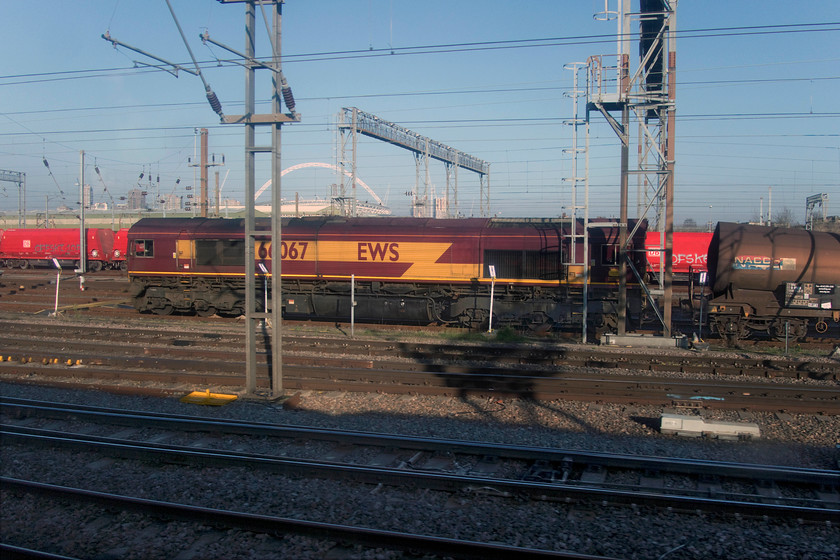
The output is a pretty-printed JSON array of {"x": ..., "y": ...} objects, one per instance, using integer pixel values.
[{"x": 445, "y": 48}]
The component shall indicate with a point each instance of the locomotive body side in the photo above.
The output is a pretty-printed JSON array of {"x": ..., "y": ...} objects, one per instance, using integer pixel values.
[
  {"x": 37, "y": 247},
  {"x": 405, "y": 269},
  {"x": 775, "y": 280}
]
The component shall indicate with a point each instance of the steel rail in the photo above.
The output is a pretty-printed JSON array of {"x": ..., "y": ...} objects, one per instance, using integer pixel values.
[
  {"x": 270, "y": 524},
  {"x": 429, "y": 480},
  {"x": 451, "y": 381},
  {"x": 53, "y": 410},
  {"x": 528, "y": 354}
]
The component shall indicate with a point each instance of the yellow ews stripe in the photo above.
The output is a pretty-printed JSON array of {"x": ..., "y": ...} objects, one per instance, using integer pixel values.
[{"x": 417, "y": 259}]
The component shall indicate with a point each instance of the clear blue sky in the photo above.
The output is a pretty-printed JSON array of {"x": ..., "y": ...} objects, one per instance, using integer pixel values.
[{"x": 757, "y": 107}]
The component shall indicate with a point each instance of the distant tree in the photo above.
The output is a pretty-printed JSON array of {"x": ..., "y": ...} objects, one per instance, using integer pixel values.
[
  {"x": 689, "y": 225},
  {"x": 784, "y": 218}
]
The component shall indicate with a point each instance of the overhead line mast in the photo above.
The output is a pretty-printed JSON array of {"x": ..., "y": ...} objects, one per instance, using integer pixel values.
[
  {"x": 281, "y": 92},
  {"x": 649, "y": 96}
]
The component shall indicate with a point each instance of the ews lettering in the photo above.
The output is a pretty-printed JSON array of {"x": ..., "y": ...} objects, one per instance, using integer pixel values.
[{"x": 378, "y": 252}]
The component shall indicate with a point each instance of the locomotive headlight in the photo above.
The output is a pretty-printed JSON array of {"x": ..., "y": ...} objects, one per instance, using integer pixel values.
[
  {"x": 94, "y": 253},
  {"x": 117, "y": 253}
]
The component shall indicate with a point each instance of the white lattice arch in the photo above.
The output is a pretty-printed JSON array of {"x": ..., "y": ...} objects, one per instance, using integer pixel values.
[{"x": 317, "y": 164}]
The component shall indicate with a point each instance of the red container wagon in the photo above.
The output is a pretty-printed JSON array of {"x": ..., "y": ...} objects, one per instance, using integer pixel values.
[
  {"x": 118, "y": 256},
  {"x": 22, "y": 248},
  {"x": 689, "y": 256},
  {"x": 410, "y": 270}
]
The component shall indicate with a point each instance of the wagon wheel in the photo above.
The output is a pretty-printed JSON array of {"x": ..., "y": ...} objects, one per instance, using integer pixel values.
[
  {"x": 730, "y": 329},
  {"x": 796, "y": 330},
  {"x": 731, "y": 339}
]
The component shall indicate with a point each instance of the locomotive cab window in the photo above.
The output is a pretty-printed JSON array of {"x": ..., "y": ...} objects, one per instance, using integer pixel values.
[
  {"x": 220, "y": 252},
  {"x": 144, "y": 248}
]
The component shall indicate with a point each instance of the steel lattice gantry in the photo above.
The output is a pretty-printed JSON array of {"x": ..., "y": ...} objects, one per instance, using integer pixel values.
[{"x": 355, "y": 121}]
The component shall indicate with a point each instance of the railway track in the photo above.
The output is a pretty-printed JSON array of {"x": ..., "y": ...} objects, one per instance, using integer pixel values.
[
  {"x": 160, "y": 361},
  {"x": 167, "y": 361},
  {"x": 196, "y": 518},
  {"x": 427, "y": 463},
  {"x": 185, "y": 343}
]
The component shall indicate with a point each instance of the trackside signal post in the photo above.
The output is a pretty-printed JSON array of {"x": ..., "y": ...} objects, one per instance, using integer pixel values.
[{"x": 281, "y": 93}]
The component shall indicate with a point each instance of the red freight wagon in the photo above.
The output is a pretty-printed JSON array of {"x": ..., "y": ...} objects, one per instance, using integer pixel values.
[
  {"x": 690, "y": 251},
  {"x": 118, "y": 257},
  {"x": 23, "y": 248}
]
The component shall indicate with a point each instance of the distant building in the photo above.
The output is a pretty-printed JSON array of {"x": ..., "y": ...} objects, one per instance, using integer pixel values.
[{"x": 136, "y": 199}]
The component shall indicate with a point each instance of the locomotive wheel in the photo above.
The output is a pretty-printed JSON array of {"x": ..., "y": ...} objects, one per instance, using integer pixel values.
[
  {"x": 205, "y": 311},
  {"x": 124, "y": 266},
  {"x": 165, "y": 310},
  {"x": 95, "y": 266},
  {"x": 23, "y": 264}
]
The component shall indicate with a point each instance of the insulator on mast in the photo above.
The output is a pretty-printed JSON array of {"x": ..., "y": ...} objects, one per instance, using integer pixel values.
[
  {"x": 288, "y": 98},
  {"x": 215, "y": 104}
]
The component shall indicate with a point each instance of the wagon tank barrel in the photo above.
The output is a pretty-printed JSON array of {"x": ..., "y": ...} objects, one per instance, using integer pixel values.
[{"x": 762, "y": 258}]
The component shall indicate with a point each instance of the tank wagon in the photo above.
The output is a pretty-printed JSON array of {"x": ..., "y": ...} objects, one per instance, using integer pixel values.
[
  {"x": 406, "y": 270},
  {"x": 773, "y": 280},
  {"x": 26, "y": 247}
]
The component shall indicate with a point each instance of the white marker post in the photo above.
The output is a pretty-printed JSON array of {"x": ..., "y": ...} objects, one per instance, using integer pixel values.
[
  {"x": 352, "y": 306},
  {"x": 264, "y": 271},
  {"x": 702, "y": 300},
  {"x": 57, "y": 282},
  {"x": 492, "y": 290}
]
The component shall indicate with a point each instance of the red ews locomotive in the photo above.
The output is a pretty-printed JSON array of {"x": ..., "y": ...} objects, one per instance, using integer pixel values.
[{"x": 409, "y": 270}]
